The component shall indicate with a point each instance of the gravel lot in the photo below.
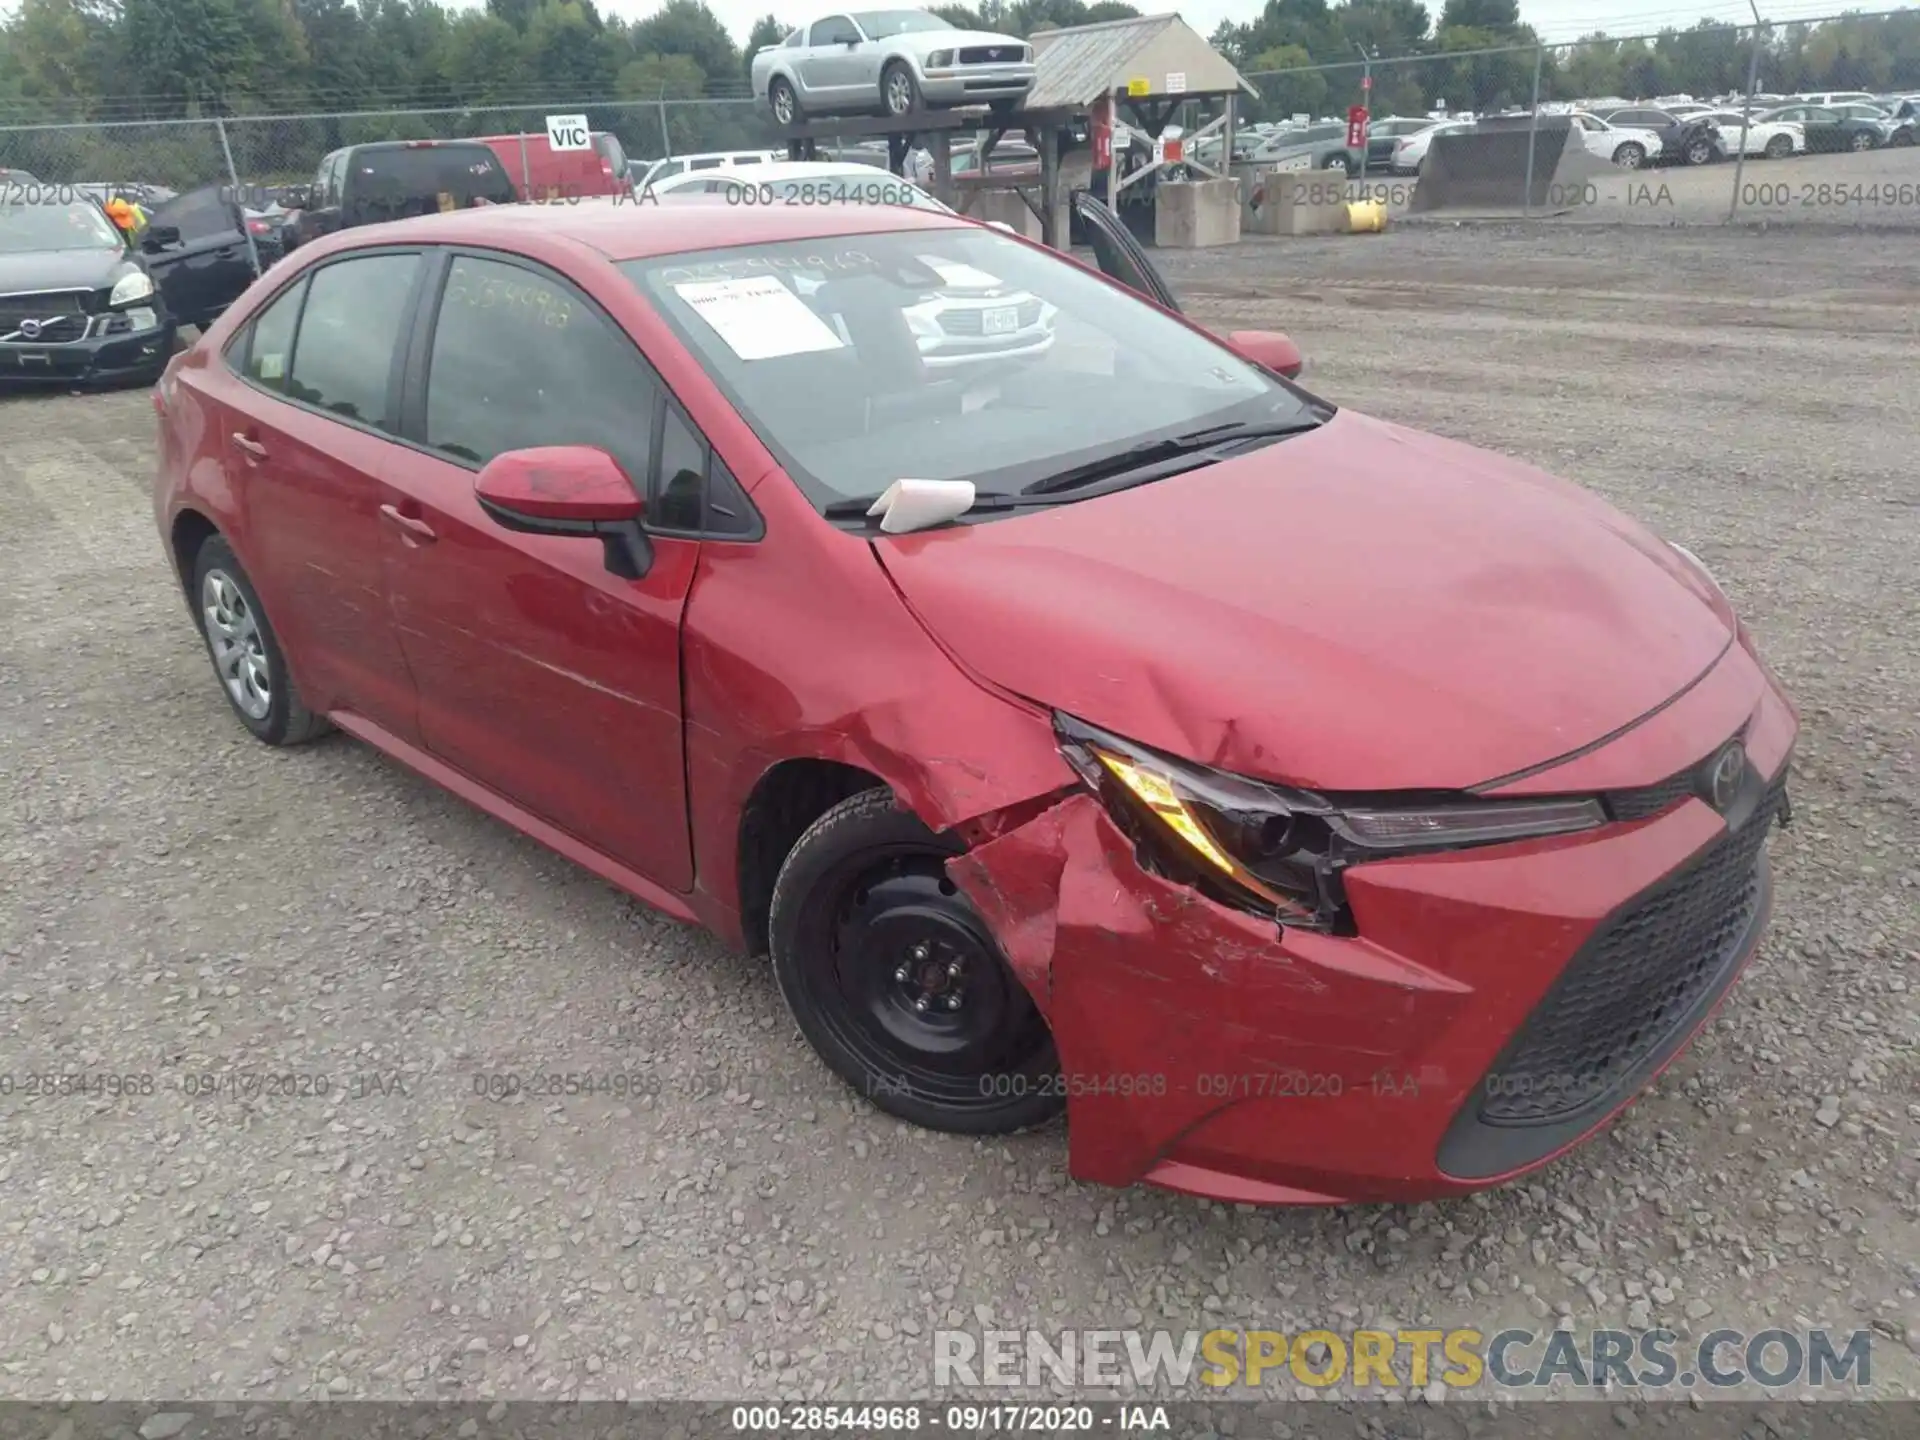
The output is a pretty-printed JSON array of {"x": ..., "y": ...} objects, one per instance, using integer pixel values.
[{"x": 180, "y": 901}]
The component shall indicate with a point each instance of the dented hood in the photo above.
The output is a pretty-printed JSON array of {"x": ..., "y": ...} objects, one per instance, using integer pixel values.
[{"x": 1364, "y": 607}]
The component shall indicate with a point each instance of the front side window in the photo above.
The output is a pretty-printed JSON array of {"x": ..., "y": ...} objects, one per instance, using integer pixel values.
[
  {"x": 349, "y": 332},
  {"x": 836, "y": 30},
  {"x": 520, "y": 361},
  {"x": 199, "y": 214},
  {"x": 945, "y": 354}
]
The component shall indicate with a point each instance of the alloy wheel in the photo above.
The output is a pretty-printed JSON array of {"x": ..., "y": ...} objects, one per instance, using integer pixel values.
[
  {"x": 899, "y": 92},
  {"x": 239, "y": 650}
]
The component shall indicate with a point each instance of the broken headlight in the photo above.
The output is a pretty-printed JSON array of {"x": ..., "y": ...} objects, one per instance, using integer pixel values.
[{"x": 1277, "y": 851}]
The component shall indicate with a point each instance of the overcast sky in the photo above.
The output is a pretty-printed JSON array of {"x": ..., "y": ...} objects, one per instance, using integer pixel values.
[{"x": 1554, "y": 19}]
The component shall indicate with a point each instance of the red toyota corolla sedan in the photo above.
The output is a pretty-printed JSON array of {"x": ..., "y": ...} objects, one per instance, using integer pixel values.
[{"x": 1315, "y": 809}]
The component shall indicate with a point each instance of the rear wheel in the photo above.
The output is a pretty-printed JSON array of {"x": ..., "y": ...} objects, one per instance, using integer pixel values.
[
  {"x": 896, "y": 981},
  {"x": 899, "y": 91},
  {"x": 785, "y": 104},
  {"x": 1863, "y": 140},
  {"x": 1902, "y": 137},
  {"x": 1699, "y": 151},
  {"x": 1630, "y": 156}
]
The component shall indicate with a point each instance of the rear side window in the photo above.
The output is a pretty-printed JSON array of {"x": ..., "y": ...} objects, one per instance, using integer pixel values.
[
  {"x": 262, "y": 354},
  {"x": 349, "y": 331},
  {"x": 519, "y": 360}
]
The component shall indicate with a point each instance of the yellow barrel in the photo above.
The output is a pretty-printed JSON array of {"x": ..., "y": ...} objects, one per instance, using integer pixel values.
[{"x": 1366, "y": 217}]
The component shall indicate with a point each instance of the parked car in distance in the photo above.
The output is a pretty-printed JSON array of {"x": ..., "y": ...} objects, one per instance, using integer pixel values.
[
  {"x": 1829, "y": 130},
  {"x": 1878, "y": 116},
  {"x": 539, "y": 172},
  {"x": 889, "y": 62},
  {"x": 1769, "y": 139},
  {"x": 602, "y": 526},
  {"x": 78, "y": 305},
  {"x": 1387, "y": 132},
  {"x": 393, "y": 179},
  {"x": 1628, "y": 146},
  {"x": 1684, "y": 140},
  {"x": 1827, "y": 99},
  {"x": 1410, "y": 151},
  {"x": 660, "y": 170},
  {"x": 1320, "y": 146},
  {"x": 200, "y": 248}
]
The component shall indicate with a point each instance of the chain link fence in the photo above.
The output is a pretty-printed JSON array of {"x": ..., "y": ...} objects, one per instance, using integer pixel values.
[{"x": 1522, "y": 138}]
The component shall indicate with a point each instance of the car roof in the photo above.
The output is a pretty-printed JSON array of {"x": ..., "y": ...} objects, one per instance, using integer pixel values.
[
  {"x": 620, "y": 229},
  {"x": 771, "y": 170}
]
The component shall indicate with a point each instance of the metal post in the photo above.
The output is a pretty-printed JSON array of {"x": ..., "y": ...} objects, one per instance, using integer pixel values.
[
  {"x": 1533, "y": 129},
  {"x": 666, "y": 138},
  {"x": 1050, "y": 187},
  {"x": 233, "y": 179},
  {"x": 526, "y": 174},
  {"x": 1746, "y": 110},
  {"x": 1366, "y": 99}
]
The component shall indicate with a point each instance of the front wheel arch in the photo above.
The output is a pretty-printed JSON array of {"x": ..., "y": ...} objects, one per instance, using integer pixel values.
[{"x": 191, "y": 530}]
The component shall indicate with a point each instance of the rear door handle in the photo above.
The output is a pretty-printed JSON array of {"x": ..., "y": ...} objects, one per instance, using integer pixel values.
[
  {"x": 417, "y": 532},
  {"x": 252, "y": 448}
]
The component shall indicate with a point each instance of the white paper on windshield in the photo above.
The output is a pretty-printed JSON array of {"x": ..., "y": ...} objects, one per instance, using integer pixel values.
[
  {"x": 758, "y": 318},
  {"x": 958, "y": 276}
]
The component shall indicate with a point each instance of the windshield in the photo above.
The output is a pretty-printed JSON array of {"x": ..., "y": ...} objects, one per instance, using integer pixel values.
[
  {"x": 879, "y": 24},
  {"x": 944, "y": 354},
  {"x": 78, "y": 225}
]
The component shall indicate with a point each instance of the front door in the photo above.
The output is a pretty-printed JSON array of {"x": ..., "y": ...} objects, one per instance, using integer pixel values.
[
  {"x": 309, "y": 408},
  {"x": 210, "y": 266},
  {"x": 1120, "y": 256},
  {"x": 541, "y": 674}
]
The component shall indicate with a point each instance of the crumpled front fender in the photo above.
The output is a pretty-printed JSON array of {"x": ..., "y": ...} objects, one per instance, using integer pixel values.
[{"x": 1168, "y": 1008}]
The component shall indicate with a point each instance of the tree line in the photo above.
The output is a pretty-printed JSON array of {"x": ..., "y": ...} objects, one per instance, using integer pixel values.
[{"x": 115, "y": 67}]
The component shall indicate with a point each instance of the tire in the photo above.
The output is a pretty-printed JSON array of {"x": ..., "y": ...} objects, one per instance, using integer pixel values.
[
  {"x": 231, "y": 615},
  {"x": 1779, "y": 147},
  {"x": 1003, "y": 110},
  {"x": 784, "y": 103},
  {"x": 1862, "y": 140},
  {"x": 1699, "y": 152},
  {"x": 1901, "y": 139},
  {"x": 899, "y": 91},
  {"x": 1630, "y": 156},
  {"x": 896, "y": 981}
]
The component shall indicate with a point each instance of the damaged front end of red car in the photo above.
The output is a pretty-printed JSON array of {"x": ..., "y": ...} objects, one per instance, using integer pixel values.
[{"x": 1265, "y": 995}]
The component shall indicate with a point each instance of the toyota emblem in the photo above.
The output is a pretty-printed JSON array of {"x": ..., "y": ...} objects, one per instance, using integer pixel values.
[
  {"x": 1723, "y": 781},
  {"x": 30, "y": 329}
]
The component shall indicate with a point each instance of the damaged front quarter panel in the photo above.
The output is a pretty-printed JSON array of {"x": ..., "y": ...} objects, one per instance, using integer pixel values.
[{"x": 1167, "y": 1007}]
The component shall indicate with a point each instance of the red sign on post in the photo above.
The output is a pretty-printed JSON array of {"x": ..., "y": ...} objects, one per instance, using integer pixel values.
[
  {"x": 1100, "y": 121},
  {"x": 1356, "y": 127},
  {"x": 1366, "y": 82}
]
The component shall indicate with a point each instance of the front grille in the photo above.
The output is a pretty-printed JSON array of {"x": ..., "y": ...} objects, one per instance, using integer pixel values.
[
  {"x": 1652, "y": 799},
  {"x": 46, "y": 330},
  {"x": 973, "y": 322},
  {"x": 43, "y": 306},
  {"x": 1622, "y": 995},
  {"x": 991, "y": 54}
]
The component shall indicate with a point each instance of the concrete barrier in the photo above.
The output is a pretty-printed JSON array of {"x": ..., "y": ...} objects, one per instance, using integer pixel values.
[
  {"x": 1485, "y": 169},
  {"x": 1196, "y": 214},
  {"x": 1297, "y": 202}
]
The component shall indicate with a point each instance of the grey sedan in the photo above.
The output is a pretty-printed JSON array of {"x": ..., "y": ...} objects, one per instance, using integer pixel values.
[{"x": 889, "y": 62}]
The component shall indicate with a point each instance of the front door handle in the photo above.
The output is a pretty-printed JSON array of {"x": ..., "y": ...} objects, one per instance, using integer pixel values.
[
  {"x": 413, "y": 531},
  {"x": 252, "y": 448}
]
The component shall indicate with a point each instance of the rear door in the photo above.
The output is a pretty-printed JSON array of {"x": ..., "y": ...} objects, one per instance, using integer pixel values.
[
  {"x": 1120, "y": 256},
  {"x": 311, "y": 407},
  {"x": 543, "y": 675},
  {"x": 211, "y": 265}
]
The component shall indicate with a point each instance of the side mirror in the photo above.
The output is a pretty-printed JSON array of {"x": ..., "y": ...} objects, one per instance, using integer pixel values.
[
  {"x": 1269, "y": 349},
  {"x": 568, "y": 490},
  {"x": 159, "y": 237},
  {"x": 296, "y": 197}
]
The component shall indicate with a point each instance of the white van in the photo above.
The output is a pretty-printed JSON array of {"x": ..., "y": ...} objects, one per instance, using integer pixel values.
[{"x": 716, "y": 160}]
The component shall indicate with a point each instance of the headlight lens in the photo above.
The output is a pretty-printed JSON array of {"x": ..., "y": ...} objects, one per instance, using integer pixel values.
[
  {"x": 940, "y": 59},
  {"x": 1277, "y": 851},
  {"x": 137, "y": 286}
]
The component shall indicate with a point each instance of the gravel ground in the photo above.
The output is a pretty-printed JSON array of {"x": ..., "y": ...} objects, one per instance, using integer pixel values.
[{"x": 180, "y": 901}]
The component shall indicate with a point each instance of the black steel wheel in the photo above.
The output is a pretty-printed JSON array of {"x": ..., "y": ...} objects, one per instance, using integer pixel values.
[{"x": 898, "y": 984}]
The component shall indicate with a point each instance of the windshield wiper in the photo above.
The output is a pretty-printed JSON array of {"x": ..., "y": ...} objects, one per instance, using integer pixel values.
[
  {"x": 984, "y": 500},
  {"x": 1150, "y": 452}
]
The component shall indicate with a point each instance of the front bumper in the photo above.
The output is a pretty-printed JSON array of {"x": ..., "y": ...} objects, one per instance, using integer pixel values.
[
  {"x": 1497, "y": 1006},
  {"x": 975, "y": 84},
  {"x": 97, "y": 359}
]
